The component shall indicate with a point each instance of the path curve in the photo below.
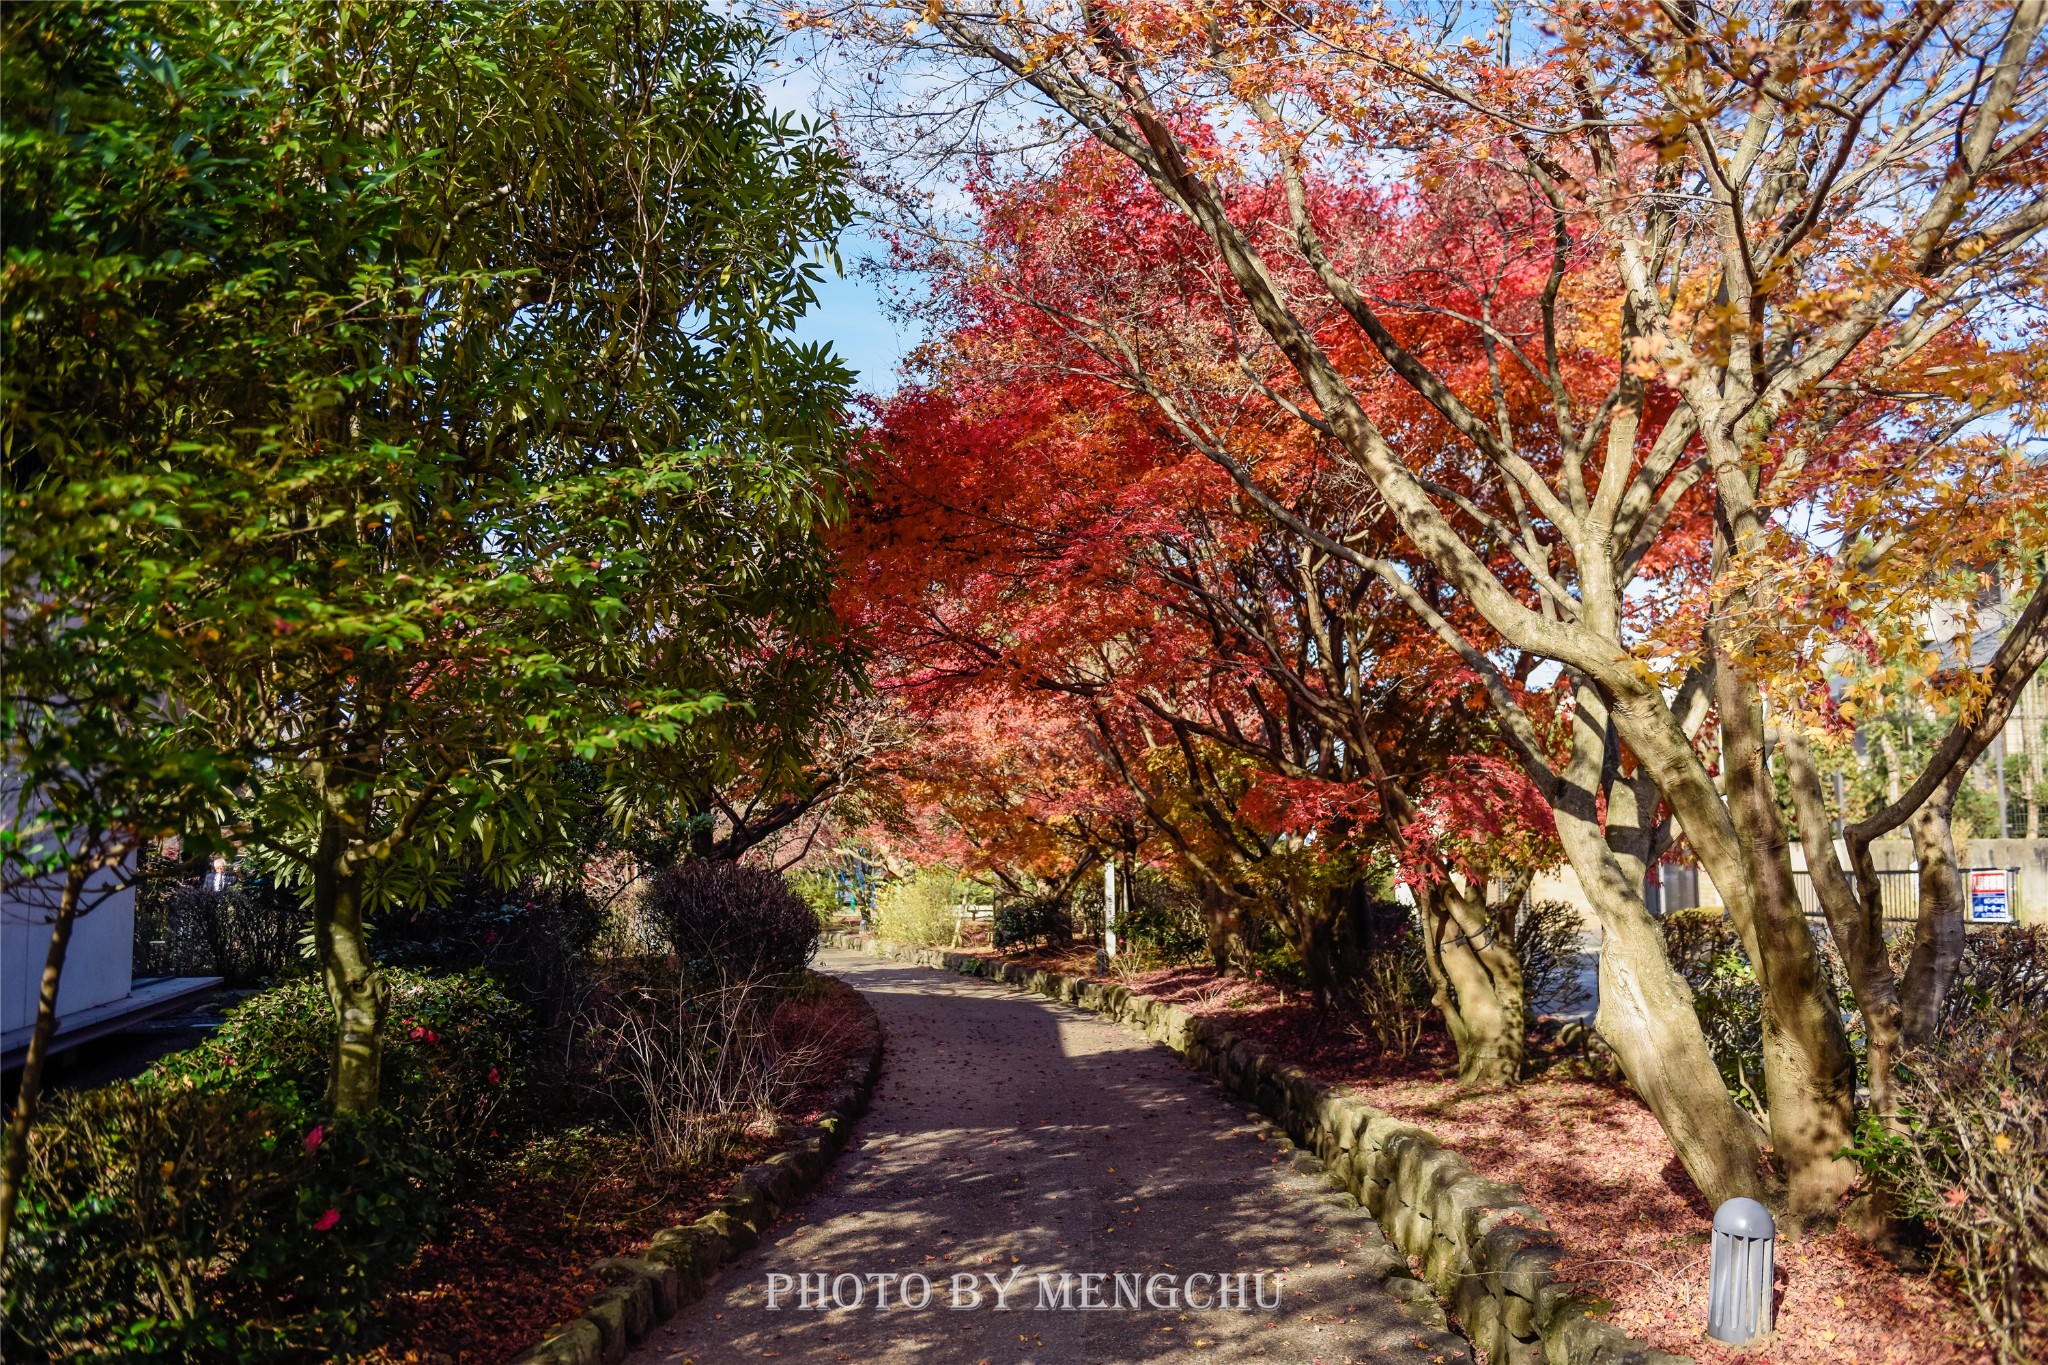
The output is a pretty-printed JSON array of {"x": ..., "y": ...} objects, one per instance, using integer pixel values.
[{"x": 1013, "y": 1135}]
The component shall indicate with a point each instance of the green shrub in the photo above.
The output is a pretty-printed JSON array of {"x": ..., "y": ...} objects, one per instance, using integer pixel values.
[
  {"x": 455, "y": 1055},
  {"x": 131, "y": 1193},
  {"x": 534, "y": 938},
  {"x": 919, "y": 909},
  {"x": 1277, "y": 960},
  {"x": 1030, "y": 921},
  {"x": 819, "y": 891},
  {"x": 164, "y": 1220},
  {"x": 1706, "y": 951},
  {"x": 1164, "y": 921},
  {"x": 211, "y": 1209}
]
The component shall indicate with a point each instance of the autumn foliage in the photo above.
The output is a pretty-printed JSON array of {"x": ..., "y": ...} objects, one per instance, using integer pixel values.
[{"x": 1628, "y": 369}]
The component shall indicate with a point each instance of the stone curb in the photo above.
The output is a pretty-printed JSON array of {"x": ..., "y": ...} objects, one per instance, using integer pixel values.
[
  {"x": 1485, "y": 1251},
  {"x": 679, "y": 1263}
]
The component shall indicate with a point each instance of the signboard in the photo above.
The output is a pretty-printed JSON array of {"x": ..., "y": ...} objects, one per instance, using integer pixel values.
[{"x": 1990, "y": 897}]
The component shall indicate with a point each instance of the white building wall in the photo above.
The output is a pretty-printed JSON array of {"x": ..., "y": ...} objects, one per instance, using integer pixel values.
[{"x": 97, "y": 966}]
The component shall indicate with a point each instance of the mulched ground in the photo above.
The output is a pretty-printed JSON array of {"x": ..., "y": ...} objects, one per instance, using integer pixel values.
[
  {"x": 518, "y": 1259},
  {"x": 1594, "y": 1159}
]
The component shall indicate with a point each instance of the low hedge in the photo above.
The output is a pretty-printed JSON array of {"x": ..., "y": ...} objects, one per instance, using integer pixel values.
[{"x": 211, "y": 1209}]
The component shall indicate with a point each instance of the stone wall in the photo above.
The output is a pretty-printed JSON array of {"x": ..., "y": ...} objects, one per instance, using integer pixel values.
[
  {"x": 1486, "y": 1252},
  {"x": 678, "y": 1263}
]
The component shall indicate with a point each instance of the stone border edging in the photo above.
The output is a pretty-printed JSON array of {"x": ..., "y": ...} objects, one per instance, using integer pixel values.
[
  {"x": 678, "y": 1265},
  {"x": 1483, "y": 1248}
]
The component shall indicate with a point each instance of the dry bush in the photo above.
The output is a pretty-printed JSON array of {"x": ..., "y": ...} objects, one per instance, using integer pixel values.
[
  {"x": 692, "y": 1063},
  {"x": 1548, "y": 941},
  {"x": 1967, "y": 1152},
  {"x": 247, "y": 933},
  {"x": 919, "y": 909},
  {"x": 1391, "y": 985}
]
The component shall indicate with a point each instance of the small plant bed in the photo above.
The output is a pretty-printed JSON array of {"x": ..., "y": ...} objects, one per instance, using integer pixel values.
[
  {"x": 517, "y": 1259},
  {"x": 1593, "y": 1158}
]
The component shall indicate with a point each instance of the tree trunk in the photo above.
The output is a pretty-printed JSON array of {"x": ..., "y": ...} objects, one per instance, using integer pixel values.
[
  {"x": 357, "y": 991},
  {"x": 1855, "y": 921},
  {"x": 1938, "y": 937},
  {"x": 1229, "y": 937},
  {"x": 2030, "y": 740},
  {"x": 1809, "y": 1076},
  {"x": 1741, "y": 845},
  {"x": 1646, "y": 1012},
  {"x": 1315, "y": 939},
  {"x": 1478, "y": 981},
  {"x": 1646, "y": 1016},
  {"x": 1894, "y": 767},
  {"x": 15, "y": 1167}
]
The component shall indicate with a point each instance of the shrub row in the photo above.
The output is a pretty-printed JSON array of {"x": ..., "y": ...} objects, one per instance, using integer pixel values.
[
  {"x": 212, "y": 1209},
  {"x": 215, "y": 1209}
]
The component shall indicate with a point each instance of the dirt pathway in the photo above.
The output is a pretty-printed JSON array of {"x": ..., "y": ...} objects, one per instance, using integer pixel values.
[{"x": 1022, "y": 1140}]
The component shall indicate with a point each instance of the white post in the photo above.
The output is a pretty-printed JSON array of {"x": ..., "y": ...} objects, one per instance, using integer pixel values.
[{"x": 1109, "y": 906}]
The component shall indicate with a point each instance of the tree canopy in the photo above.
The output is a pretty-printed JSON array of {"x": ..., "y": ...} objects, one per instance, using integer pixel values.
[
  {"x": 1680, "y": 353},
  {"x": 407, "y": 394}
]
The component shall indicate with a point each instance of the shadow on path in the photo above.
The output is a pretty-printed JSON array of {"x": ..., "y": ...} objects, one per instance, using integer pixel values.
[{"x": 1011, "y": 1136}]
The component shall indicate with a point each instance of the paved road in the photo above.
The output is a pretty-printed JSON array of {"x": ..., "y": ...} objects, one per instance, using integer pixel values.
[{"x": 1010, "y": 1136}]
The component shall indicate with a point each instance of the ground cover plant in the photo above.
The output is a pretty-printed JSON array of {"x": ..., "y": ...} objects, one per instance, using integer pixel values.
[{"x": 515, "y": 1259}]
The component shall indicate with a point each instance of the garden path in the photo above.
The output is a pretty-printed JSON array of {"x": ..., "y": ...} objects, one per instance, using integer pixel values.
[{"x": 1014, "y": 1136}]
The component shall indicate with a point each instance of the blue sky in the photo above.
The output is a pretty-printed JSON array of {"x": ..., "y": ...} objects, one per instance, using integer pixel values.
[
  {"x": 849, "y": 315},
  {"x": 849, "y": 312}
]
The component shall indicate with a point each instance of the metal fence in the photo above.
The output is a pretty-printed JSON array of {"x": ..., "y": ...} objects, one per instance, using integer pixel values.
[{"x": 1900, "y": 890}]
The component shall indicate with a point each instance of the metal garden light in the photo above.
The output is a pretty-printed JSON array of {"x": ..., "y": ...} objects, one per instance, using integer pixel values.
[{"x": 1740, "y": 1280}]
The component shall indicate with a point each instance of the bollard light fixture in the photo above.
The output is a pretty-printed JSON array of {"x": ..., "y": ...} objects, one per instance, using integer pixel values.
[{"x": 1740, "y": 1279}]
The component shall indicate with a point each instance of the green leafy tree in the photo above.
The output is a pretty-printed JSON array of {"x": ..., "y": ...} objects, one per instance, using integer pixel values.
[{"x": 431, "y": 368}]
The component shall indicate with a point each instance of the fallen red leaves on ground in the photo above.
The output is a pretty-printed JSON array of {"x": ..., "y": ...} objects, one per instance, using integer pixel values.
[{"x": 518, "y": 1259}]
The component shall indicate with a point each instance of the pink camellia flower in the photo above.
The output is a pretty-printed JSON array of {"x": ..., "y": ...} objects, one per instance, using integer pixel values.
[
  {"x": 316, "y": 1137},
  {"x": 327, "y": 1220},
  {"x": 493, "y": 1077}
]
